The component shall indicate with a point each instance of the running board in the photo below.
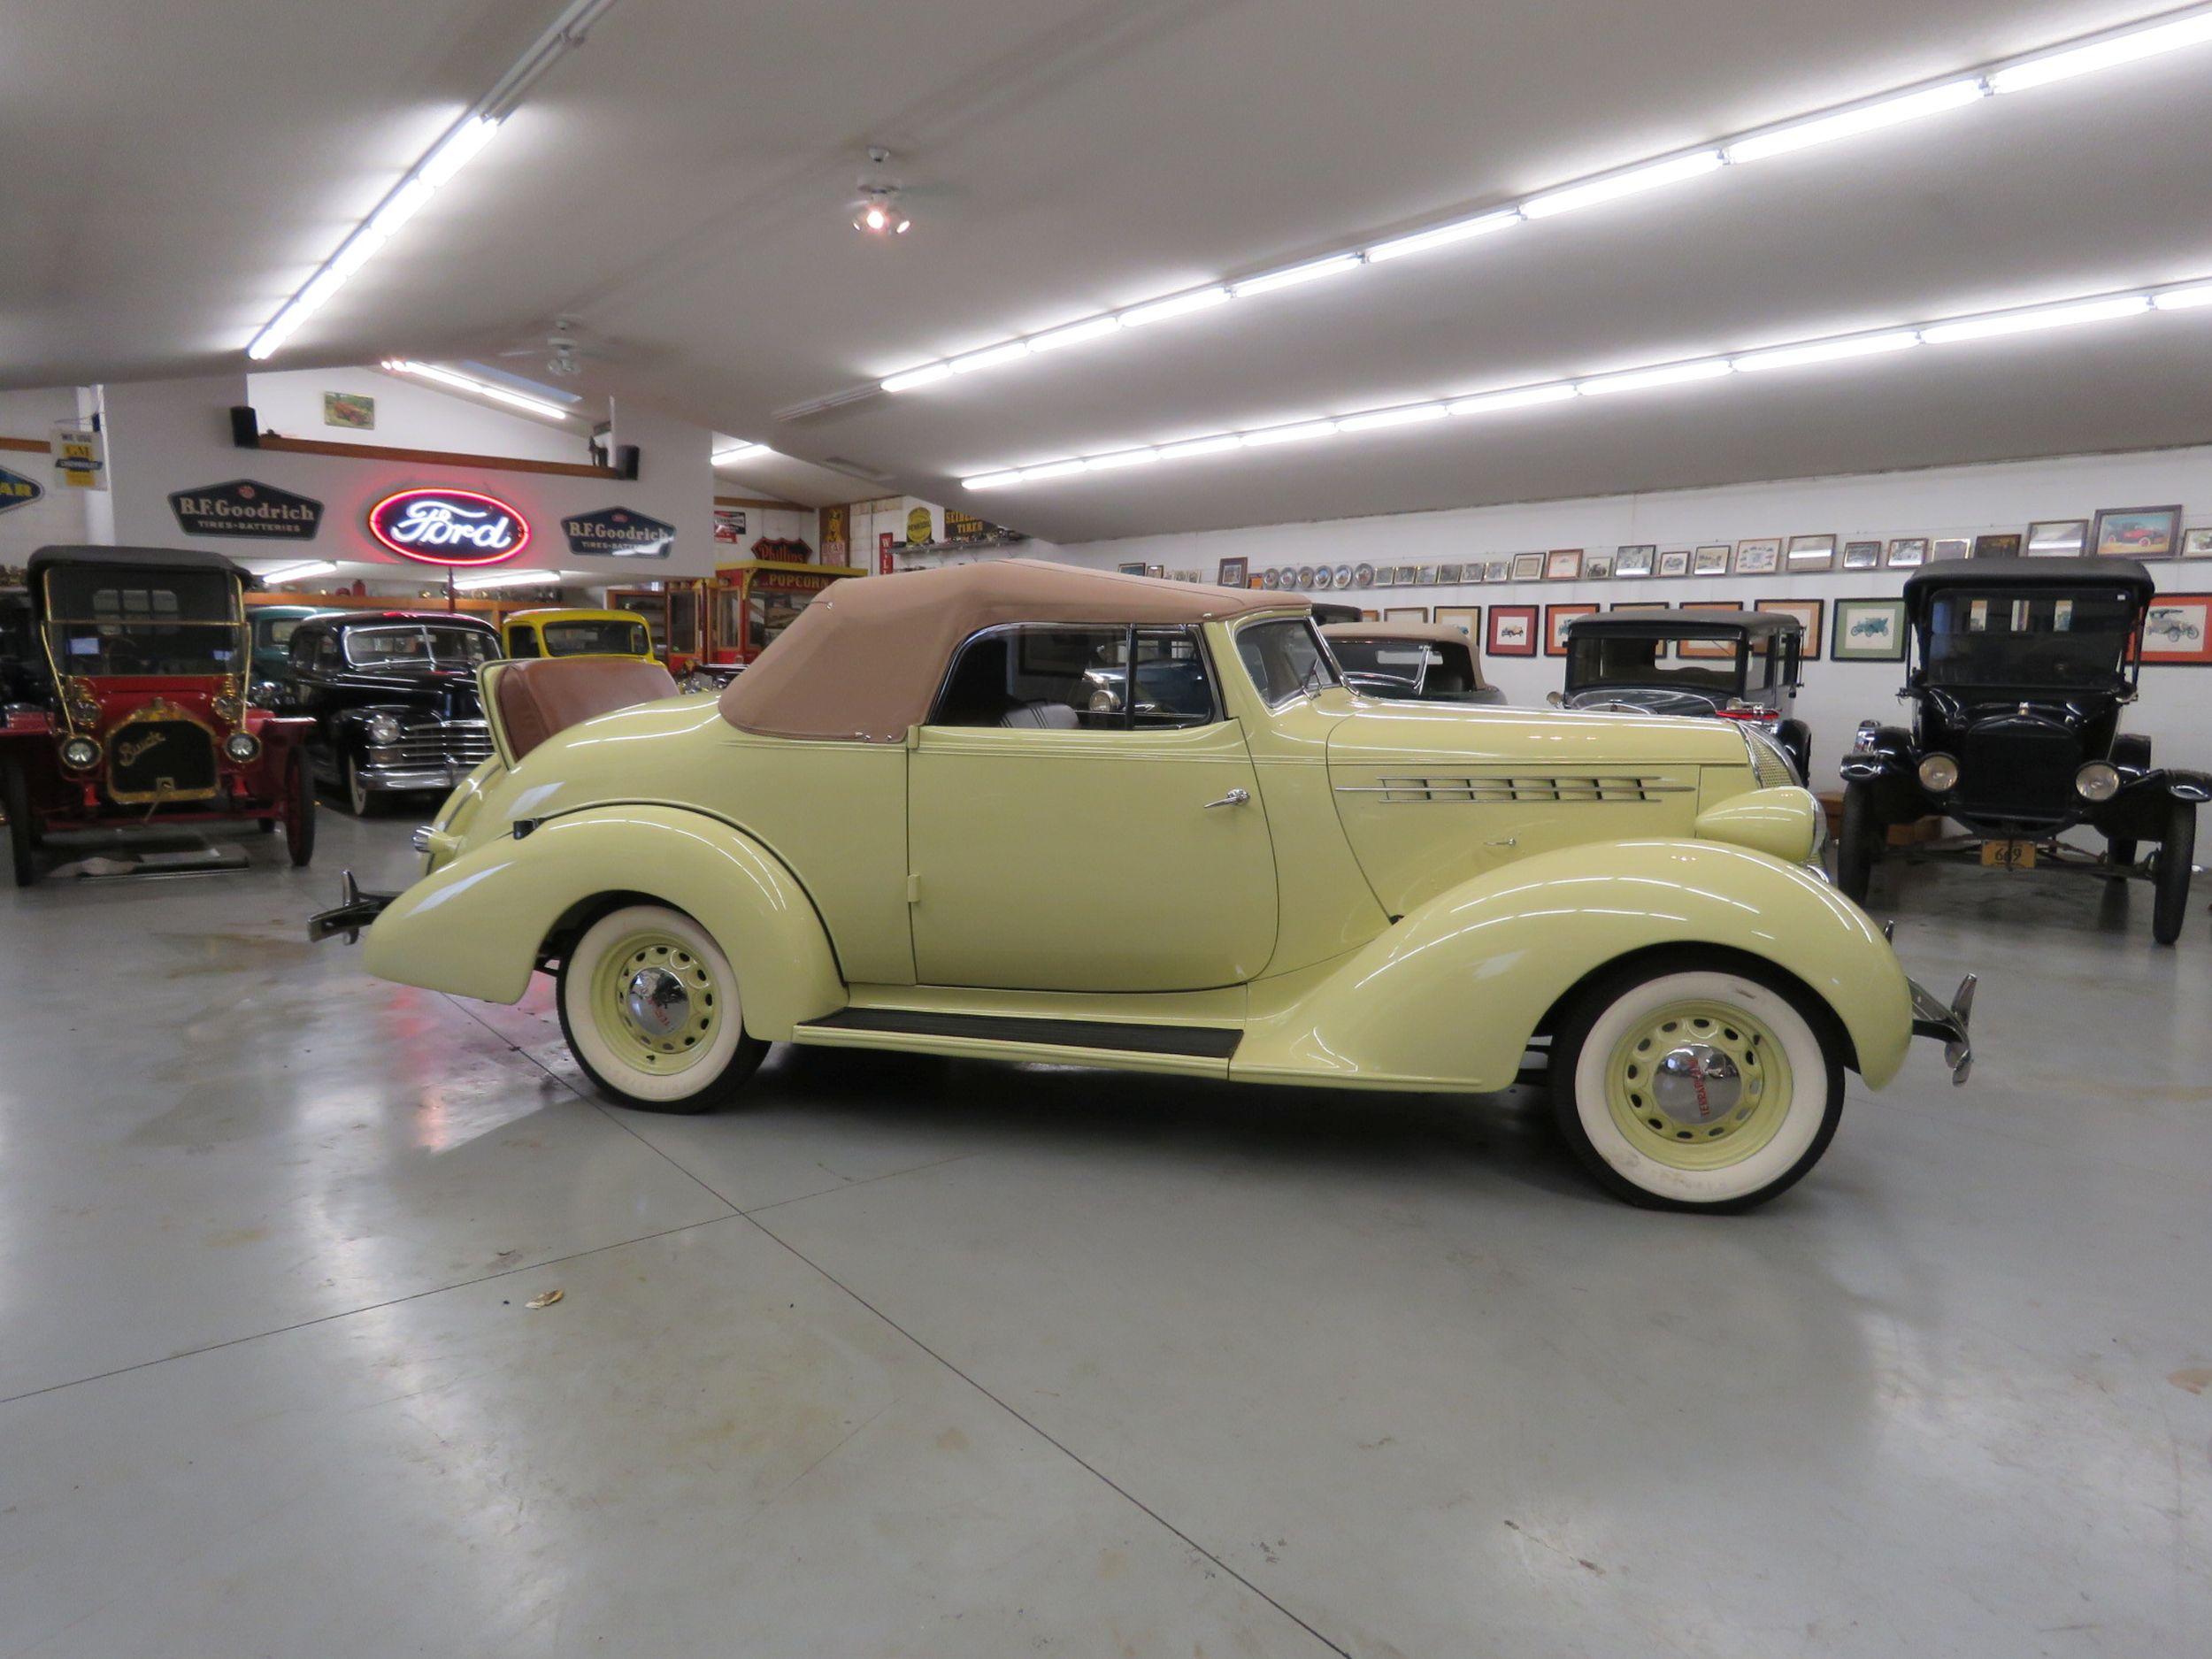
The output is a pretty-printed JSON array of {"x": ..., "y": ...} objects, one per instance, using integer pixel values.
[{"x": 1174, "y": 1047}]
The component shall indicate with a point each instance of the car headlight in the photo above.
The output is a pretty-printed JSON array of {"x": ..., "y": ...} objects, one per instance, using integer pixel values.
[
  {"x": 2099, "y": 780},
  {"x": 84, "y": 712},
  {"x": 242, "y": 747},
  {"x": 80, "y": 753},
  {"x": 383, "y": 729},
  {"x": 1938, "y": 774},
  {"x": 227, "y": 710}
]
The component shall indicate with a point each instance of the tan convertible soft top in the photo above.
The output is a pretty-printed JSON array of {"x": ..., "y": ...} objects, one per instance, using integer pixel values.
[
  {"x": 865, "y": 659},
  {"x": 1425, "y": 633}
]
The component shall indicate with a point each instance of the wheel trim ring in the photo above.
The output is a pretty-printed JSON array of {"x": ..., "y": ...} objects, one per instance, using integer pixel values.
[
  {"x": 610, "y": 976},
  {"x": 1762, "y": 1062}
]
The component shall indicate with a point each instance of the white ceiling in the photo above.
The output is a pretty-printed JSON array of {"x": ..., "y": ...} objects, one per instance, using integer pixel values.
[{"x": 680, "y": 185}]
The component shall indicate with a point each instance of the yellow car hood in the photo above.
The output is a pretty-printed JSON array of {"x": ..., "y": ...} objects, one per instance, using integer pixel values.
[{"x": 1380, "y": 733}]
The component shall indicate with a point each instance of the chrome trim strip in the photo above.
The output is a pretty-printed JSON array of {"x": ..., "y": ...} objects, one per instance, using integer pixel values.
[{"x": 1507, "y": 790}]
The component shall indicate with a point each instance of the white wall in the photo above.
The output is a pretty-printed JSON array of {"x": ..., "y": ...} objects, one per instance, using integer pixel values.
[
  {"x": 409, "y": 416},
  {"x": 1949, "y": 502}
]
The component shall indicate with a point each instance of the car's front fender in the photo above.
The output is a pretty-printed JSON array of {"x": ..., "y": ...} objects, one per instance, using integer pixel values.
[
  {"x": 1451, "y": 994},
  {"x": 475, "y": 926}
]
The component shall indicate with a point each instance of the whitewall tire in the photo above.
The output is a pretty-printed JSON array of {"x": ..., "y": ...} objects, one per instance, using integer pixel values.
[
  {"x": 649, "y": 1005},
  {"x": 1683, "y": 1087}
]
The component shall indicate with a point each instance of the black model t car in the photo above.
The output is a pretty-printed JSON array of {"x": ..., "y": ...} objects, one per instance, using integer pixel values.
[
  {"x": 393, "y": 694},
  {"x": 1740, "y": 666},
  {"x": 1409, "y": 662},
  {"x": 2018, "y": 672}
]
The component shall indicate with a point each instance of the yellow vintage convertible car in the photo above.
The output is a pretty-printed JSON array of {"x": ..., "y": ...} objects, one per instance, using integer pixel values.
[{"x": 1032, "y": 812}]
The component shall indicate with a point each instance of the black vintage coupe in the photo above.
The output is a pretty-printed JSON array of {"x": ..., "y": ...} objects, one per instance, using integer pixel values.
[
  {"x": 1736, "y": 665},
  {"x": 2019, "y": 668},
  {"x": 393, "y": 694}
]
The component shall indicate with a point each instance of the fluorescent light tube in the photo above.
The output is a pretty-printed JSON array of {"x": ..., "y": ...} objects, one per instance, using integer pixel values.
[
  {"x": 2042, "y": 317},
  {"x": 1053, "y": 469},
  {"x": 1298, "y": 432},
  {"x": 508, "y": 579},
  {"x": 990, "y": 356},
  {"x": 1174, "y": 305},
  {"x": 459, "y": 148},
  {"x": 1290, "y": 276},
  {"x": 2183, "y": 299},
  {"x": 1523, "y": 397},
  {"x": 462, "y": 383},
  {"x": 1620, "y": 184},
  {"x": 1074, "y": 334},
  {"x": 300, "y": 572},
  {"x": 1639, "y": 380},
  {"x": 1406, "y": 416},
  {"x": 1826, "y": 351},
  {"x": 1866, "y": 119},
  {"x": 993, "y": 480},
  {"x": 1121, "y": 458},
  {"x": 2104, "y": 54},
  {"x": 740, "y": 453},
  {"x": 927, "y": 374},
  {"x": 1443, "y": 235},
  {"x": 1191, "y": 447}
]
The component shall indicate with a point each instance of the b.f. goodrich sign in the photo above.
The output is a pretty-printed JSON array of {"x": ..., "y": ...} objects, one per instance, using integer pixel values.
[
  {"x": 618, "y": 533},
  {"x": 243, "y": 507}
]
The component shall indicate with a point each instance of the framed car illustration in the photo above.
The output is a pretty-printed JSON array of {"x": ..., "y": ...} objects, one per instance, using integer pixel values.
[
  {"x": 1512, "y": 631},
  {"x": 2137, "y": 532},
  {"x": 1555, "y": 620},
  {"x": 2177, "y": 631},
  {"x": 1868, "y": 631}
]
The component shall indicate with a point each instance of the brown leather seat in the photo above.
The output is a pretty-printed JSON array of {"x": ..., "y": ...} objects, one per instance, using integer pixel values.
[{"x": 538, "y": 698}]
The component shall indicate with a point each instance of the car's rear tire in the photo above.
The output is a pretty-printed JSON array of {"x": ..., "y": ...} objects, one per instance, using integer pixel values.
[
  {"x": 1856, "y": 840},
  {"x": 2177, "y": 849},
  {"x": 1681, "y": 1083},
  {"x": 648, "y": 1003},
  {"x": 299, "y": 819},
  {"x": 15, "y": 794},
  {"x": 360, "y": 799}
]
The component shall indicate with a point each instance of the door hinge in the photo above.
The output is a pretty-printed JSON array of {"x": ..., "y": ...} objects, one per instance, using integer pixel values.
[{"x": 913, "y": 889}]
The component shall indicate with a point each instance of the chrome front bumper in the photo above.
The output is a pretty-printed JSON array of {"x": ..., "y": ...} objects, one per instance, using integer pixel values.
[{"x": 1932, "y": 1018}]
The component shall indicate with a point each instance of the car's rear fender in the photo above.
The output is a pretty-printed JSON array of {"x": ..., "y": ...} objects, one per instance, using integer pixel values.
[
  {"x": 476, "y": 926},
  {"x": 1450, "y": 997}
]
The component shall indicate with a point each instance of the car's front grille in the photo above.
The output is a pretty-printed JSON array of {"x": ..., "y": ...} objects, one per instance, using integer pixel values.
[
  {"x": 2014, "y": 769},
  {"x": 159, "y": 760},
  {"x": 443, "y": 742}
]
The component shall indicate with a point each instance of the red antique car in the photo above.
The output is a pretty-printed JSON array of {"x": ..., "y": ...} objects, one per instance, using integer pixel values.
[{"x": 132, "y": 710}]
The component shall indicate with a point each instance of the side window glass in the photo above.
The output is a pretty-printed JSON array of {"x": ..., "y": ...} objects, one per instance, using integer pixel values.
[
  {"x": 1284, "y": 659},
  {"x": 1078, "y": 678},
  {"x": 1172, "y": 687},
  {"x": 326, "y": 654},
  {"x": 522, "y": 641}
]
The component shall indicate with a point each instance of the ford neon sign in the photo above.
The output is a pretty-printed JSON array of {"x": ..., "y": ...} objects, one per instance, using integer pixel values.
[{"x": 448, "y": 526}]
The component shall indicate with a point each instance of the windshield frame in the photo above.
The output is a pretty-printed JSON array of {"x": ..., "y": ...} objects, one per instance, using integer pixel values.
[
  {"x": 1307, "y": 689},
  {"x": 2123, "y": 681},
  {"x": 52, "y": 626}
]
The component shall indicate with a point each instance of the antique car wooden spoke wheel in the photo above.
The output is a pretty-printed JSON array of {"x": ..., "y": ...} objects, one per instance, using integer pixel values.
[
  {"x": 1686, "y": 1088},
  {"x": 649, "y": 1005}
]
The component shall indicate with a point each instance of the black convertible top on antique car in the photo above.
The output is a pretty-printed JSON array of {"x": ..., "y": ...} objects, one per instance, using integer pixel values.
[
  {"x": 1620, "y": 661},
  {"x": 2019, "y": 668}
]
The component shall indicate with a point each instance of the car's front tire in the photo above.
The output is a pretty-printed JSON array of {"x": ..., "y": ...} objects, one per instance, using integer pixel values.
[
  {"x": 299, "y": 819},
  {"x": 360, "y": 799},
  {"x": 1856, "y": 840},
  {"x": 1681, "y": 1085},
  {"x": 649, "y": 1005},
  {"x": 2177, "y": 851}
]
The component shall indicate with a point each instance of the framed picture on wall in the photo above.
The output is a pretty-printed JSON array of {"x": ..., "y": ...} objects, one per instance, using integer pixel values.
[
  {"x": 1466, "y": 618},
  {"x": 1808, "y": 612},
  {"x": 1408, "y": 575},
  {"x": 1639, "y": 604},
  {"x": 1908, "y": 551},
  {"x": 1861, "y": 556},
  {"x": 1385, "y": 576},
  {"x": 2057, "y": 537},
  {"x": 1810, "y": 553},
  {"x": 2137, "y": 533},
  {"x": 1555, "y": 620},
  {"x": 2003, "y": 546},
  {"x": 1636, "y": 558},
  {"x": 2177, "y": 629},
  {"x": 1675, "y": 562},
  {"x": 1231, "y": 572},
  {"x": 1712, "y": 560},
  {"x": 1562, "y": 564},
  {"x": 1945, "y": 548},
  {"x": 1528, "y": 567},
  {"x": 1512, "y": 631},
  {"x": 2197, "y": 544},
  {"x": 1406, "y": 613},
  {"x": 1757, "y": 558},
  {"x": 1497, "y": 569},
  {"x": 1868, "y": 631},
  {"x": 1707, "y": 651},
  {"x": 1597, "y": 567},
  {"x": 1448, "y": 575},
  {"x": 1135, "y": 569},
  {"x": 1425, "y": 574}
]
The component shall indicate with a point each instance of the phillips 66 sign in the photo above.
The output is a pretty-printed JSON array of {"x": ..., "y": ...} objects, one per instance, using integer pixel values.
[{"x": 448, "y": 526}]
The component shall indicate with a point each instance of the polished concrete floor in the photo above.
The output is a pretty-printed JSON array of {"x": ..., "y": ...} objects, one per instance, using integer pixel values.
[{"x": 914, "y": 1357}]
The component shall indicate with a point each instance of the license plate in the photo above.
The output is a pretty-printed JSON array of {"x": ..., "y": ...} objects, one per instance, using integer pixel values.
[{"x": 2008, "y": 855}]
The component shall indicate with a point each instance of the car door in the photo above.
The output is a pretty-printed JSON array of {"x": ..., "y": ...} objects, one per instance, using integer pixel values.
[{"x": 1065, "y": 836}]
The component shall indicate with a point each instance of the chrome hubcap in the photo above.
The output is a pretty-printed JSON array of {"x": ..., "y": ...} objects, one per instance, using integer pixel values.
[
  {"x": 1695, "y": 1083},
  {"x": 655, "y": 1004}
]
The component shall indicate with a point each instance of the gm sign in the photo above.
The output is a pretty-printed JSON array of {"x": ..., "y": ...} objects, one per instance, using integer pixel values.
[{"x": 448, "y": 526}]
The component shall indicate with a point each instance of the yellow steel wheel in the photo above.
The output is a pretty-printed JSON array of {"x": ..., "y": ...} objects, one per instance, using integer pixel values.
[
  {"x": 655, "y": 1003},
  {"x": 649, "y": 1005},
  {"x": 1698, "y": 1084}
]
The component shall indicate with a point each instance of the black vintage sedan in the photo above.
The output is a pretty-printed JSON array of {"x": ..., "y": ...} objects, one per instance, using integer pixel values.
[
  {"x": 1742, "y": 666},
  {"x": 2019, "y": 668},
  {"x": 393, "y": 697}
]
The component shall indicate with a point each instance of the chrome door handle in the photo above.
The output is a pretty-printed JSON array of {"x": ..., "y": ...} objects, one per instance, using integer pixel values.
[{"x": 1235, "y": 797}]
